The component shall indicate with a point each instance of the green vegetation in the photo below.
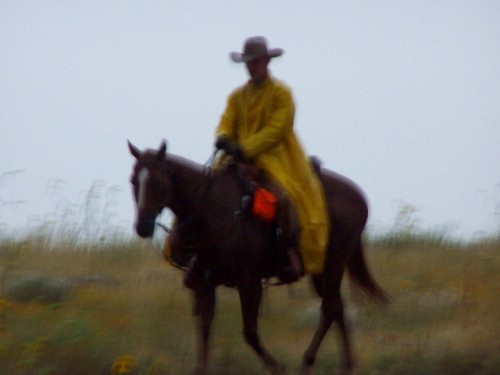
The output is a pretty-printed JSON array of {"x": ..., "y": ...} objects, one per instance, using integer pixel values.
[{"x": 122, "y": 310}]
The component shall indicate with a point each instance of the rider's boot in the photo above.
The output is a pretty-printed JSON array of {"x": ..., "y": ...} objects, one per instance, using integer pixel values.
[
  {"x": 292, "y": 270},
  {"x": 288, "y": 235},
  {"x": 195, "y": 274}
]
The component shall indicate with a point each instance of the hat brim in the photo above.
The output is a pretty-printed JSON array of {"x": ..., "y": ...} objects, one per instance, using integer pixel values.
[{"x": 238, "y": 57}]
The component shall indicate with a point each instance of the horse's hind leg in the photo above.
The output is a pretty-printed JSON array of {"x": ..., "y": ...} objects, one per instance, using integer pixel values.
[
  {"x": 250, "y": 298},
  {"x": 310, "y": 354},
  {"x": 332, "y": 309}
]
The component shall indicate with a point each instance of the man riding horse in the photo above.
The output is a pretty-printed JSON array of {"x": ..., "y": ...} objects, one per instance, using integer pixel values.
[
  {"x": 257, "y": 127},
  {"x": 224, "y": 245}
]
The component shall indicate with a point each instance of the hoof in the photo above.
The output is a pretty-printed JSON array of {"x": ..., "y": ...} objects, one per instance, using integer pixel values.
[
  {"x": 200, "y": 370},
  {"x": 348, "y": 367},
  {"x": 305, "y": 370},
  {"x": 347, "y": 371},
  {"x": 277, "y": 370}
]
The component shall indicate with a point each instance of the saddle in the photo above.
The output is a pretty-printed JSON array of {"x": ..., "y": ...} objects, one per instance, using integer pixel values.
[
  {"x": 260, "y": 199},
  {"x": 267, "y": 202}
]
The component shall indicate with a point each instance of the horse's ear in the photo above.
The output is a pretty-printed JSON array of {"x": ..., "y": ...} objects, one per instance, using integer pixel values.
[
  {"x": 134, "y": 150},
  {"x": 160, "y": 154}
]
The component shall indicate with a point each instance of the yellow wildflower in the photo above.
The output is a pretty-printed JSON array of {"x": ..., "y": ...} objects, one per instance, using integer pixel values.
[
  {"x": 123, "y": 365},
  {"x": 407, "y": 285},
  {"x": 4, "y": 305}
]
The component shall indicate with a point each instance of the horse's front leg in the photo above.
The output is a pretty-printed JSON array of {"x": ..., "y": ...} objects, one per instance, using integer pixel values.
[
  {"x": 204, "y": 296},
  {"x": 250, "y": 298}
]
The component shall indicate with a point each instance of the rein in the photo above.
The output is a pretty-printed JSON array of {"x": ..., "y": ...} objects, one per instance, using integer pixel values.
[{"x": 228, "y": 221}]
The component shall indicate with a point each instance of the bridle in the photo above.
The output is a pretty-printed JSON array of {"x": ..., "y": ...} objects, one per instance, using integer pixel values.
[
  {"x": 160, "y": 170},
  {"x": 207, "y": 171}
]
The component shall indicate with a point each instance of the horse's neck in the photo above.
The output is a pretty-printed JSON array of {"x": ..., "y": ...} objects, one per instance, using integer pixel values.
[{"x": 189, "y": 182}]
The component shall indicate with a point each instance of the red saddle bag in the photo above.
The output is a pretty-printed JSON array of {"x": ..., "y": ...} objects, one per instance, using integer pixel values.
[{"x": 265, "y": 204}]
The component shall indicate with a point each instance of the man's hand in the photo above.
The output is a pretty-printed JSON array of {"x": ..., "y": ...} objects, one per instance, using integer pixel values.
[
  {"x": 221, "y": 142},
  {"x": 230, "y": 148},
  {"x": 235, "y": 151}
]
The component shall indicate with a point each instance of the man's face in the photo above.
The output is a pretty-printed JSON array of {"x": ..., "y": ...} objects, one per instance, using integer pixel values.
[{"x": 257, "y": 69}]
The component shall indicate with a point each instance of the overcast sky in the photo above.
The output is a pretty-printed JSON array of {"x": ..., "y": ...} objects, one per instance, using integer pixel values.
[{"x": 403, "y": 97}]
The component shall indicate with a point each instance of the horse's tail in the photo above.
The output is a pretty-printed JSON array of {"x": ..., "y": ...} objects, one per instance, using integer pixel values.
[{"x": 362, "y": 278}]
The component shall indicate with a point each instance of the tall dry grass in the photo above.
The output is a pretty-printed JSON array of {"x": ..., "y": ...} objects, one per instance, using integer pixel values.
[{"x": 123, "y": 310}]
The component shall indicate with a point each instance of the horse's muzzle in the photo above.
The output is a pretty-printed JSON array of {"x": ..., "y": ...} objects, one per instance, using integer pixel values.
[{"x": 145, "y": 227}]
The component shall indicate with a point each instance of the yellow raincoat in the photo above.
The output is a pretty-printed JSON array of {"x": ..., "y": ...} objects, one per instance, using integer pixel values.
[{"x": 260, "y": 119}]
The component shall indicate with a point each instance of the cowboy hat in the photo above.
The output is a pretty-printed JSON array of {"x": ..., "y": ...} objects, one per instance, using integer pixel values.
[{"x": 254, "y": 48}]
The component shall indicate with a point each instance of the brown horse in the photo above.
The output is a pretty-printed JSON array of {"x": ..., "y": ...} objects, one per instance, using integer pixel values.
[{"x": 236, "y": 249}]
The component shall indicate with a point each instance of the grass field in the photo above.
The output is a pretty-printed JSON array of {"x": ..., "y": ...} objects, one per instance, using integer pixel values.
[{"x": 123, "y": 310}]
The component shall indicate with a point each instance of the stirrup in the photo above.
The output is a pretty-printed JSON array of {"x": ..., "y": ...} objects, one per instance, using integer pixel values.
[{"x": 293, "y": 270}]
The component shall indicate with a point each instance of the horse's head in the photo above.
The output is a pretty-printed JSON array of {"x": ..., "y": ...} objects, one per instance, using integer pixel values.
[{"x": 150, "y": 187}]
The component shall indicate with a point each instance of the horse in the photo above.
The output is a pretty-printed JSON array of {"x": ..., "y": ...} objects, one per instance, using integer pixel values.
[{"x": 236, "y": 247}]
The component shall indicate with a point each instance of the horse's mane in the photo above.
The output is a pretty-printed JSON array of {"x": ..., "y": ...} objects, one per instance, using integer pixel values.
[{"x": 185, "y": 163}]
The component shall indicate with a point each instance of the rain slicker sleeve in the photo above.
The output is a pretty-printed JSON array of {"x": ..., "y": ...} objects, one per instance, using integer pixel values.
[
  {"x": 261, "y": 120},
  {"x": 258, "y": 119}
]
